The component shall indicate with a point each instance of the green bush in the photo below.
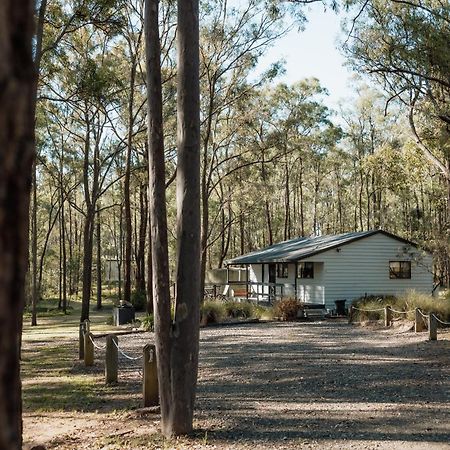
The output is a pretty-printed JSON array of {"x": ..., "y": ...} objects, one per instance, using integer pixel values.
[
  {"x": 139, "y": 300},
  {"x": 148, "y": 322},
  {"x": 212, "y": 311},
  {"x": 239, "y": 310},
  {"x": 287, "y": 309}
]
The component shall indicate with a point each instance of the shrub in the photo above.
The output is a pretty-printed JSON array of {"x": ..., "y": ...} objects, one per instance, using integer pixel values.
[
  {"x": 139, "y": 300},
  {"x": 287, "y": 309},
  {"x": 148, "y": 322},
  {"x": 212, "y": 311},
  {"x": 407, "y": 302},
  {"x": 238, "y": 310}
]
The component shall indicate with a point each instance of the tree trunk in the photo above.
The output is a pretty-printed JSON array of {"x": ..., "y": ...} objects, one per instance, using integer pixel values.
[
  {"x": 126, "y": 189},
  {"x": 140, "y": 254},
  {"x": 88, "y": 242},
  {"x": 177, "y": 343},
  {"x": 184, "y": 362},
  {"x": 99, "y": 262},
  {"x": 157, "y": 210},
  {"x": 35, "y": 291},
  {"x": 17, "y": 81}
]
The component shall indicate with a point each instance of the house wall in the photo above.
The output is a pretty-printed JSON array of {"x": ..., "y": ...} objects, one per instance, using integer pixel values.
[
  {"x": 362, "y": 267},
  {"x": 312, "y": 290}
]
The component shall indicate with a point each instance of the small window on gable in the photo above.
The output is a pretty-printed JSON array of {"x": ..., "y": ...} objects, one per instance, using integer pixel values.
[
  {"x": 399, "y": 270},
  {"x": 282, "y": 270},
  {"x": 305, "y": 270}
]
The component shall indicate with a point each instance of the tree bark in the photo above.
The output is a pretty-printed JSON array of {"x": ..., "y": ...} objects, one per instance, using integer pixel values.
[
  {"x": 99, "y": 262},
  {"x": 157, "y": 210},
  {"x": 126, "y": 187},
  {"x": 17, "y": 81},
  {"x": 184, "y": 363}
]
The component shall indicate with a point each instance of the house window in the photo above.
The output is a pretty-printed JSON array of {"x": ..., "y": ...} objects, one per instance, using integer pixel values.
[
  {"x": 399, "y": 269},
  {"x": 305, "y": 270},
  {"x": 282, "y": 270}
]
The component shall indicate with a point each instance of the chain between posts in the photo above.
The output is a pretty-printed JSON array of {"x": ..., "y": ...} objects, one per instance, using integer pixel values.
[
  {"x": 131, "y": 358},
  {"x": 441, "y": 321},
  {"x": 403, "y": 312},
  {"x": 96, "y": 345}
]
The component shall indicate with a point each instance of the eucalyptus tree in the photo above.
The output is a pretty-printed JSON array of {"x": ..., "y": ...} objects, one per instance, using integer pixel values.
[
  {"x": 177, "y": 339},
  {"x": 17, "y": 78},
  {"x": 406, "y": 47},
  {"x": 55, "y": 22},
  {"x": 233, "y": 38}
]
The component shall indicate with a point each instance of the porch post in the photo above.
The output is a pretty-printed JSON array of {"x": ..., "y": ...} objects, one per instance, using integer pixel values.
[
  {"x": 262, "y": 280},
  {"x": 247, "y": 285},
  {"x": 228, "y": 274},
  {"x": 295, "y": 281}
]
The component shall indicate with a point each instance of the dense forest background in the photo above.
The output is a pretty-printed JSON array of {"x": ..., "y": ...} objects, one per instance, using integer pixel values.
[{"x": 276, "y": 162}]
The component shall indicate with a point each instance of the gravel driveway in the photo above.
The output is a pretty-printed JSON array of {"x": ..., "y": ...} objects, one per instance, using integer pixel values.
[
  {"x": 309, "y": 385},
  {"x": 322, "y": 385}
]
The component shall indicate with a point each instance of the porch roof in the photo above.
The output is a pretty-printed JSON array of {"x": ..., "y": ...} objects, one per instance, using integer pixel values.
[{"x": 304, "y": 247}]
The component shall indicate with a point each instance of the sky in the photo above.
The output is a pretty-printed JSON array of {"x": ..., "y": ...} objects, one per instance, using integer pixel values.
[{"x": 313, "y": 53}]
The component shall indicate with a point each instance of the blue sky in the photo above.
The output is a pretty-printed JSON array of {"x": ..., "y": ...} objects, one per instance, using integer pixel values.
[{"x": 313, "y": 53}]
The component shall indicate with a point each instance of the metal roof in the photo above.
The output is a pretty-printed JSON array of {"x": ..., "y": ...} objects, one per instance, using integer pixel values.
[{"x": 304, "y": 247}]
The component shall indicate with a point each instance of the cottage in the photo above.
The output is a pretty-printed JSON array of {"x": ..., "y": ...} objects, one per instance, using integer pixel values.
[{"x": 321, "y": 270}]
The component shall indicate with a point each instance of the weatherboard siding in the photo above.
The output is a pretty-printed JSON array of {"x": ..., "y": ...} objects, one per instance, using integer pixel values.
[{"x": 362, "y": 267}]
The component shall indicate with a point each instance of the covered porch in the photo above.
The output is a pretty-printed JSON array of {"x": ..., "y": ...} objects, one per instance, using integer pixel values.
[{"x": 269, "y": 282}]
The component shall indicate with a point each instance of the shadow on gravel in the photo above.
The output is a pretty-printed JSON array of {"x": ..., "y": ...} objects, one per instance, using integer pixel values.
[{"x": 324, "y": 381}]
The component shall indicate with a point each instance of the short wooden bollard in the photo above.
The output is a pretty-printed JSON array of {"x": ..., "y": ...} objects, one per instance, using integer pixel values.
[
  {"x": 419, "y": 324},
  {"x": 350, "y": 314},
  {"x": 81, "y": 340},
  {"x": 88, "y": 349},
  {"x": 387, "y": 316},
  {"x": 111, "y": 359},
  {"x": 150, "y": 377},
  {"x": 432, "y": 327}
]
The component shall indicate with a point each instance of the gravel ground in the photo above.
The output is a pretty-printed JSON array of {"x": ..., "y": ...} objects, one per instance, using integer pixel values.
[{"x": 320, "y": 385}]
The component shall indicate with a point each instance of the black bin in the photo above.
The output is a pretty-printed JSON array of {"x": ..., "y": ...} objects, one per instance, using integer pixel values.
[
  {"x": 123, "y": 314},
  {"x": 340, "y": 307}
]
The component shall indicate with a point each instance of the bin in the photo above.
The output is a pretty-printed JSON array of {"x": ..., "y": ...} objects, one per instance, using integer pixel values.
[
  {"x": 340, "y": 307},
  {"x": 123, "y": 314}
]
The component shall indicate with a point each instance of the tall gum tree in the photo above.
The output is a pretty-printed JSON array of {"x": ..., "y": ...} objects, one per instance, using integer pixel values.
[
  {"x": 177, "y": 340},
  {"x": 17, "y": 81}
]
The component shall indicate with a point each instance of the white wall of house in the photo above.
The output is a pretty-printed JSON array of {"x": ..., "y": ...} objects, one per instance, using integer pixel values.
[
  {"x": 362, "y": 267},
  {"x": 312, "y": 290}
]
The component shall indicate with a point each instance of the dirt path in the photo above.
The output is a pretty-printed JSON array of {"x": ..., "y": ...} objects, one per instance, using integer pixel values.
[{"x": 278, "y": 385}]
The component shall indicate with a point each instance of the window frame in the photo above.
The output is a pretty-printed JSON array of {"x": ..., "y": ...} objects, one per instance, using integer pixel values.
[
  {"x": 402, "y": 274},
  {"x": 305, "y": 273},
  {"x": 282, "y": 270}
]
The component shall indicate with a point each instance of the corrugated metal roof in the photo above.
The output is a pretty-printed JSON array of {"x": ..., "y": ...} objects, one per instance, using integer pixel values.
[{"x": 304, "y": 247}]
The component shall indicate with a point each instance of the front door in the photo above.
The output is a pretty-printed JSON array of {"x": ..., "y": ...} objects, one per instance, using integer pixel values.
[{"x": 272, "y": 281}]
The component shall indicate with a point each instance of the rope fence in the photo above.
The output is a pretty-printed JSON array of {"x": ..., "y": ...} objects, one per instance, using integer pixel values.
[
  {"x": 131, "y": 358},
  {"x": 422, "y": 321},
  {"x": 148, "y": 373}
]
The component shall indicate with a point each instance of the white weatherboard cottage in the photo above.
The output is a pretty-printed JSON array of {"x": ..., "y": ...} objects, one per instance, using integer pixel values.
[{"x": 320, "y": 270}]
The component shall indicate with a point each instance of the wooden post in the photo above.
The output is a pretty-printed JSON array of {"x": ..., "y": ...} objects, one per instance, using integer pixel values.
[
  {"x": 419, "y": 324},
  {"x": 88, "y": 349},
  {"x": 111, "y": 359},
  {"x": 81, "y": 340},
  {"x": 432, "y": 327},
  {"x": 150, "y": 377},
  {"x": 387, "y": 316},
  {"x": 350, "y": 314}
]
